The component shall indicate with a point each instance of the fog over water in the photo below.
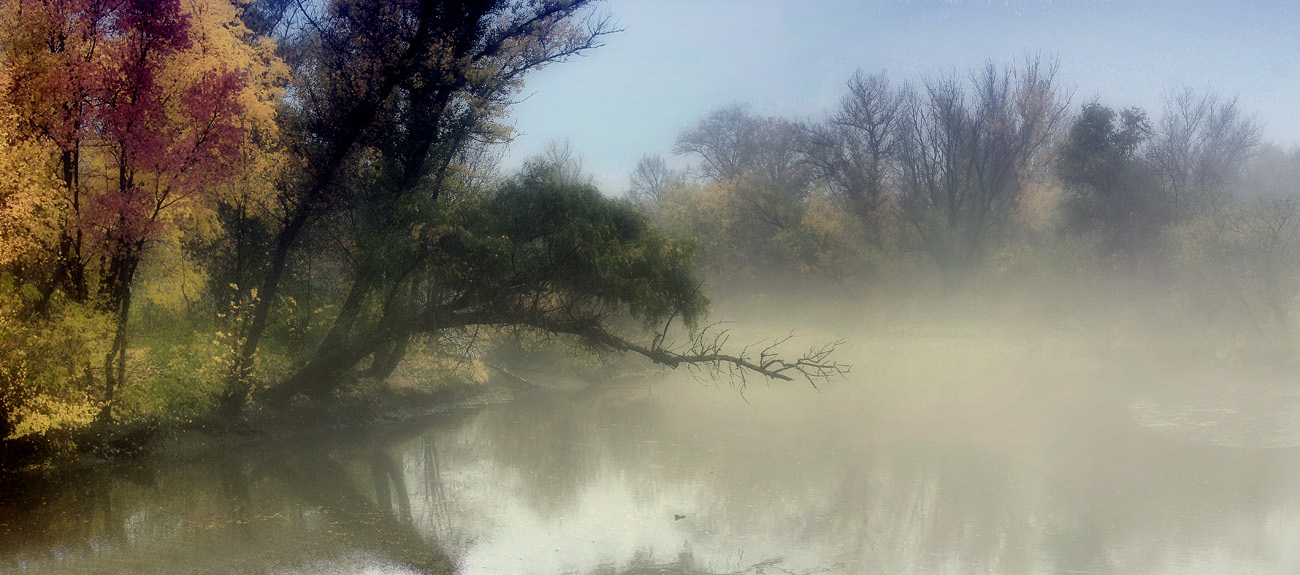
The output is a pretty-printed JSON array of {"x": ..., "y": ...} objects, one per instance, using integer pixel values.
[{"x": 950, "y": 448}]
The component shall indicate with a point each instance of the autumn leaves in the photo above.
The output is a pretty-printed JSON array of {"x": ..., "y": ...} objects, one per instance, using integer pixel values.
[{"x": 126, "y": 117}]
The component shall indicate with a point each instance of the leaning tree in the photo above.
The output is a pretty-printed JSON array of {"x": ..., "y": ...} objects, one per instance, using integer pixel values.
[{"x": 386, "y": 101}]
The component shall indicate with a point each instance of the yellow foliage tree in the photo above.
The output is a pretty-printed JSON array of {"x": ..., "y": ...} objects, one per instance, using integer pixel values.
[
  {"x": 28, "y": 210},
  {"x": 43, "y": 356},
  {"x": 126, "y": 125}
]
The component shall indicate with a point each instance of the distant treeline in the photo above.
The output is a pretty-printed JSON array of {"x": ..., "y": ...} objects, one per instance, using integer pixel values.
[{"x": 994, "y": 179}]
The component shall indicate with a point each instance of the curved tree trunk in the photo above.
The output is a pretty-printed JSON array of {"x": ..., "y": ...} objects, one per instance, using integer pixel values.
[
  {"x": 387, "y": 359},
  {"x": 324, "y": 373},
  {"x": 239, "y": 386}
]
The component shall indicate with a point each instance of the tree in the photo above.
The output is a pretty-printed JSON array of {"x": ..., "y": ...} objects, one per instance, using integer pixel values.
[
  {"x": 965, "y": 153},
  {"x": 170, "y": 135},
  {"x": 1270, "y": 230},
  {"x": 725, "y": 140},
  {"x": 1239, "y": 258},
  {"x": 547, "y": 254},
  {"x": 46, "y": 344},
  {"x": 757, "y": 184},
  {"x": 134, "y": 94},
  {"x": 29, "y": 210},
  {"x": 743, "y": 227},
  {"x": 1200, "y": 146},
  {"x": 402, "y": 88},
  {"x": 732, "y": 141},
  {"x": 565, "y": 163},
  {"x": 1272, "y": 171},
  {"x": 50, "y": 58},
  {"x": 1114, "y": 196},
  {"x": 1238, "y": 265},
  {"x": 651, "y": 181},
  {"x": 854, "y": 153}
]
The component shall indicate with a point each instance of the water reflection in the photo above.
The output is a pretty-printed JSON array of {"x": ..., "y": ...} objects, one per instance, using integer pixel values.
[
  {"x": 680, "y": 478},
  {"x": 268, "y": 509}
]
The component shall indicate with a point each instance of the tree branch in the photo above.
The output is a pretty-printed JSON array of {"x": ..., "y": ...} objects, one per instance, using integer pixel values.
[{"x": 706, "y": 349}]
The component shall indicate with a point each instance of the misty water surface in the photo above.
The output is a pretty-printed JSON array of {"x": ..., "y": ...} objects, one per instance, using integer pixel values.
[{"x": 990, "y": 462}]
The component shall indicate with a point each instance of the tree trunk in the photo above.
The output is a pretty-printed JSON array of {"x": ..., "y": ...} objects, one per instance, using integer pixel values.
[
  {"x": 117, "y": 284},
  {"x": 239, "y": 385},
  {"x": 387, "y": 359},
  {"x": 324, "y": 373},
  {"x": 391, "y": 355},
  {"x": 341, "y": 331},
  {"x": 115, "y": 360},
  {"x": 70, "y": 270},
  {"x": 5, "y": 430},
  {"x": 314, "y": 375}
]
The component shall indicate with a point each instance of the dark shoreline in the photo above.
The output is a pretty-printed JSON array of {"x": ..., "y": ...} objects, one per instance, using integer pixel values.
[{"x": 117, "y": 443}]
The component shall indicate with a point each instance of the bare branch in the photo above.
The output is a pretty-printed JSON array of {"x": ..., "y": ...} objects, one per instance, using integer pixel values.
[{"x": 706, "y": 350}]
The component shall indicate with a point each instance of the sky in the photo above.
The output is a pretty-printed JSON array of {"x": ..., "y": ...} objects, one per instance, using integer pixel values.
[{"x": 676, "y": 60}]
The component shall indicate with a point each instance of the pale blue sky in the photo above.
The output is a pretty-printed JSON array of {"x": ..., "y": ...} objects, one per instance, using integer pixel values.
[{"x": 678, "y": 59}]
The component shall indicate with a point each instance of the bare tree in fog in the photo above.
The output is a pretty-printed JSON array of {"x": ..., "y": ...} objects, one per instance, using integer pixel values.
[
  {"x": 755, "y": 172},
  {"x": 966, "y": 150},
  {"x": 651, "y": 181},
  {"x": 1270, "y": 226},
  {"x": 724, "y": 140},
  {"x": 733, "y": 141},
  {"x": 853, "y": 152},
  {"x": 1272, "y": 171},
  {"x": 1200, "y": 146},
  {"x": 565, "y": 163},
  {"x": 778, "y": 158},
  {"x": 1247, "y": 255},
  {"x": 1236, "y": 239}
]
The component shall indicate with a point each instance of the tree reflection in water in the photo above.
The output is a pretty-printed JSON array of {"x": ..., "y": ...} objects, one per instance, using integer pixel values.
[
  {"x": 676, "y": 479},
  {"x": 266, "y": 508}
]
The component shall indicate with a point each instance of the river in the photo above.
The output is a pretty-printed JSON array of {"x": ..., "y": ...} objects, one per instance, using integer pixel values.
[{"x": 998, "y": 465}]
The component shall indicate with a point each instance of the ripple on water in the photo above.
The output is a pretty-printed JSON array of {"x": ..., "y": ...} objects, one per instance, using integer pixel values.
[{"x": 1255, "y": 416}]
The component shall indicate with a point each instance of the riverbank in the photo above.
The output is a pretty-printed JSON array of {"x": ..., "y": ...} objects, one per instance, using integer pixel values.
[
  {"x": 377, "y": 407},
  {"x": 426, "y": 384}
]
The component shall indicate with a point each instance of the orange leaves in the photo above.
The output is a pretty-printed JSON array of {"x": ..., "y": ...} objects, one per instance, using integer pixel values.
[
  {"x": 28, "y": 206},
  {"x": 222, "y": 44},
  {"x": 147, "y": 103}
]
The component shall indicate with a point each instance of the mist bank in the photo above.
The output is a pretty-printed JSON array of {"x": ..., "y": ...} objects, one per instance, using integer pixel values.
[{"x": 993, "y": 192}]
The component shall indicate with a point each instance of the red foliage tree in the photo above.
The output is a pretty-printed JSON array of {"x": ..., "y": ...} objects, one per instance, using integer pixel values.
[{"x": 109, "y": 83}]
